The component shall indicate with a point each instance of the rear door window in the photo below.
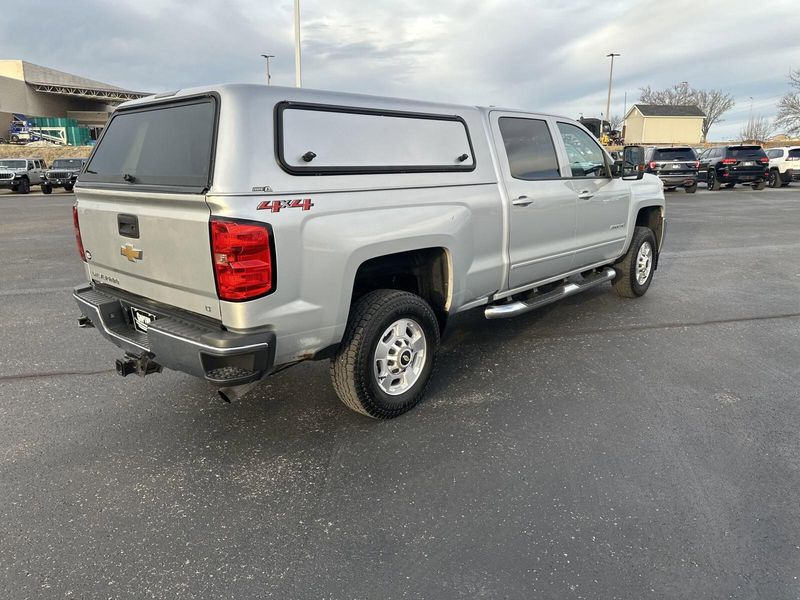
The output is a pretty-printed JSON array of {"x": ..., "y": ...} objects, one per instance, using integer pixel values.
[
  {"x": 668, "y": 154},
  {"x": 586, "y": 159},
  {"x": 167, "y": 145},
  {"x": 794, "y": 153},
  {"x": 742, "y": 152},
  {"x": 529, "y": 148}
]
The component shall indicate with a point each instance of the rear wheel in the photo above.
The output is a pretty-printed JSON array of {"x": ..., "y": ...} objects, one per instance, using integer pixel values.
[
  {"x": 775, "y": 179},
  {"x": 730, "y": 186},
  {"x": 713, "y": 182},
  {"x": 759, "y": 185},
  {"x": 387, "y": 355},
  {"x": 635, "y": 270},
  {"x": 691, "y": 189}
]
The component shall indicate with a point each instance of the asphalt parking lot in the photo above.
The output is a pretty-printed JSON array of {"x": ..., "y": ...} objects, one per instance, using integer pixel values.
[{"x": 598, "y": 448}]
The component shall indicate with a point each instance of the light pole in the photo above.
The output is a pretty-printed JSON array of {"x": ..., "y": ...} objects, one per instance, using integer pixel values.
[
  {"x": 268, "y": 56},
  {"x": 610, "y": 75},
  {"x": 298, "y": 78}
]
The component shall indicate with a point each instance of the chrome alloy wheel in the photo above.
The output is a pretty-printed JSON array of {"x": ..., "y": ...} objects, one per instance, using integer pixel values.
[
  {"x": 400, "y": 356},
  {"x": 644, "y": 263}
]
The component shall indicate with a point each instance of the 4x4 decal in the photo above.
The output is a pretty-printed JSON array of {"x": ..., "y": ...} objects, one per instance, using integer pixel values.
[{"x": 277, "y": 205}]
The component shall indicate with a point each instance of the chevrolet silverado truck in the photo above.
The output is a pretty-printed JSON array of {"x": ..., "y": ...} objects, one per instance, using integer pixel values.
[{"x": 232, "y": 231}]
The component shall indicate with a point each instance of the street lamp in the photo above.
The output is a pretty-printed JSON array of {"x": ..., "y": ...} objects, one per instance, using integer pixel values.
[
  {"x": 610, "y": 75},
  {"x": 268, "y": 56},
  {"x": 298, "y": 79}
]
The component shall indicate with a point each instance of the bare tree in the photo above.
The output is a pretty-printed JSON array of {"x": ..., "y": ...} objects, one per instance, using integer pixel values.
[
  {"x": 789, "y": 106},
  {"x": 757, "y": 130},
  {"x": 714, "y": 103},
  {"x": 615, "y": 121}
]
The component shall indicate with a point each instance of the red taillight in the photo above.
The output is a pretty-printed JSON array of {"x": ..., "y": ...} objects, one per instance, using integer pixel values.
[
  {"x": 652, "y": 164},
  {"x": 77, "y": 227},
  {"x": 697, "y": 164},
  {"x": 729, "y": 161},
  {"x": 243, "y": 262},
  {"x": 763, "y": 159}
]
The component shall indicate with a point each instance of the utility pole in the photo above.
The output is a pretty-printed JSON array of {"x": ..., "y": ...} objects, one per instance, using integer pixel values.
[
  {"x": 610, "y": 75},
  {"x": 268, "y": 56},
  {"x": 298, "y": 78}
]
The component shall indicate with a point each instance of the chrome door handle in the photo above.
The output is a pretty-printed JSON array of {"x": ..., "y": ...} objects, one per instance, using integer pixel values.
[
  {"x": 522, "y": 201},
  {"x": 585, "y": 195}
]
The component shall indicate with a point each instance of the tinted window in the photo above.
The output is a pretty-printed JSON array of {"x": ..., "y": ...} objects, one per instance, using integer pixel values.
[
  {"x": 795, "y": 153},
  {"x": 746, "y": 152},
  {"x": 169, "y": 145},
  {"x": 674, "y": 154},
  {"x": 586, "y": 159},
  {"x": 529, "y": 147}
]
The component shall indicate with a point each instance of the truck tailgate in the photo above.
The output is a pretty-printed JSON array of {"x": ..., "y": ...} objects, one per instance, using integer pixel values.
[{"x": 154, "y": 245}]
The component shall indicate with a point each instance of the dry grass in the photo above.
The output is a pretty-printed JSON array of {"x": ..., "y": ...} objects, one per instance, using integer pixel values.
[{"x": 48, "y": 153}]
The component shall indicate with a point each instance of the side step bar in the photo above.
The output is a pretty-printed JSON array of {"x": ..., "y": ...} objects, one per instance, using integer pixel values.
[{"x": 518, "y": 307}]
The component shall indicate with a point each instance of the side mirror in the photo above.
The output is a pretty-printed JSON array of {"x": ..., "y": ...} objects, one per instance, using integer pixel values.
[{"x": 632, "y": 163}]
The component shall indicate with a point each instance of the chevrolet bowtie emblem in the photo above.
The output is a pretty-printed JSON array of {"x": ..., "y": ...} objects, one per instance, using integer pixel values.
[{"x": 131, "y": 253}]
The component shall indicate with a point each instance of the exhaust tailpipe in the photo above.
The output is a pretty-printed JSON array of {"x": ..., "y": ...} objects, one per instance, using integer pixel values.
[{"x": 236, "y": 392}]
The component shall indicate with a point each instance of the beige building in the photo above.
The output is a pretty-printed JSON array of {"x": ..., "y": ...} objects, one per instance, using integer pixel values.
[
  {"x": 36, "y": 91},
  {"x": 663, "y": 124}
]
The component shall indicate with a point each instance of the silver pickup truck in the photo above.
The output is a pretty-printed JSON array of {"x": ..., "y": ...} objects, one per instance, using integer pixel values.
[{"x": 231, "y": 231}]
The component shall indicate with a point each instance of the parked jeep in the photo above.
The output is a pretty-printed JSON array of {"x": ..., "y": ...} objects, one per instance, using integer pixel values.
[
  {"x": 63, "y": 173},
  {"x": 230, "y": 232},
  {"x": 784, "y": 165},
  {"x": 19, "y": 174},
  {"x": 674, "y": 166},
  {"x": 729, "y": 165}
]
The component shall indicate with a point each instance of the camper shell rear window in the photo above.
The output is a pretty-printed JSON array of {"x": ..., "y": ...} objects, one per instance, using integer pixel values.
[
  {"x": 319, "y": 139},
  {"x": 166, "y": 145}
]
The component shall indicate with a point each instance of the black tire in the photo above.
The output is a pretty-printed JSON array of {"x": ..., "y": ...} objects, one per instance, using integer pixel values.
[
  {"x": 759, "y": 185},
  {"x": 712, "y": 181},
  {"x": 69, "y": 188},
  {"x": 729, "y": 186},
  {"x": 775, "y": 179},
  {"x": 14, "y": 139},
  {"x": 46, "y": 189},
  {"x": 626, "y": 283},
  {"x": 353, "y": 368},
  {"x": 24, "y": 186},
  {"x": 691, "y": 189}
]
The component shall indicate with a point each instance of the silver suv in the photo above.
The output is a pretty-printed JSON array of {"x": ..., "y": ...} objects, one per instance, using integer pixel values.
[
  {"x": 19, "y": 174},
  {"x": 233, "y": 231}
]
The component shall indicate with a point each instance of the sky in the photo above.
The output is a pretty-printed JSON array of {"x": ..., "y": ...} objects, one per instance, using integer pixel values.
[{"x": 528, "y": 54}]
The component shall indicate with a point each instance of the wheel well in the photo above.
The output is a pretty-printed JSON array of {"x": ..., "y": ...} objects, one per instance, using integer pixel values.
[
  {"x": 652, "y": 218},
  {"x": 424, "y": 272}
]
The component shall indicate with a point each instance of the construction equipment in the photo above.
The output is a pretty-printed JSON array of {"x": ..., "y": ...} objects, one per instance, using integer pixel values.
[{"x": 24, "y": 130}]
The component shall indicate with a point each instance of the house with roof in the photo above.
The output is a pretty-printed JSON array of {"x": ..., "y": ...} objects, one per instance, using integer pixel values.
[{"x": 664, "y": 124}]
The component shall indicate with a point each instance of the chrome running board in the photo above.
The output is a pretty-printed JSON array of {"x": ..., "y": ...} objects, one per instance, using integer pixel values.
[{"x": 518, "y": 307}]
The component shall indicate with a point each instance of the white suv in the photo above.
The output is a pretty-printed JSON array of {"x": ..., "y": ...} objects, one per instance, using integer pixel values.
[{"x": 784, "y": 165}]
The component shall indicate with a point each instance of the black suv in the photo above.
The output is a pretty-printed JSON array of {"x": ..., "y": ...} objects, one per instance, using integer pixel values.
[
  {"x": 729, "y": 165},
  {"x": 675, "y": 167}
]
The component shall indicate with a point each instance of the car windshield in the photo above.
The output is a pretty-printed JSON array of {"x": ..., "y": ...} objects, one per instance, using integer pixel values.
[
  {"x": 674, "y": 154},
  {"x": 12, "y": 164},
  {"x": 746, "y": 152},
  {"x": 67, "y": 163}
]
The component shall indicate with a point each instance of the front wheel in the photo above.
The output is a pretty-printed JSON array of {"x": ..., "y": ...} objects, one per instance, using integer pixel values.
[
  {"x": 46, "y": 189},
  {"x": 69, "y": 187},
  {"x": 635, "y": 270},
  {"x": 24, "y": 186},
  {"x": 387, "y": 355}
]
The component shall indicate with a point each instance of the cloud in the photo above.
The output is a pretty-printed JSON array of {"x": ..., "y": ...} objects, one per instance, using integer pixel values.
[{"x": 523, "y": 53}]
